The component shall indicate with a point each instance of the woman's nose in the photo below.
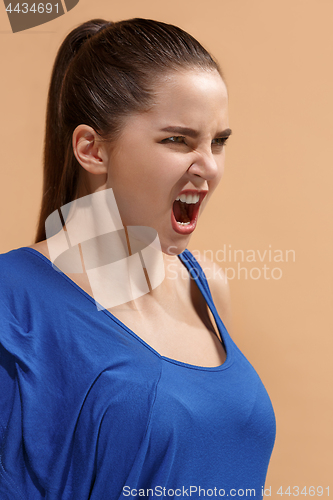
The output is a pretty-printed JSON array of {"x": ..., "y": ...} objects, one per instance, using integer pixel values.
[{"x": 206, "y": 165}]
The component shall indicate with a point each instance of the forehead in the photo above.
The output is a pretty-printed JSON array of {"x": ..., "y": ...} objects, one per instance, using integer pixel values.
[
  {"x": 194, "y": 83},
  {"x": 192, "y": 98}
]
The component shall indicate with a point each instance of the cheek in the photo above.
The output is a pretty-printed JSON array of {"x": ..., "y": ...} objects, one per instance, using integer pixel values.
[{"x": 163, "y": 172}]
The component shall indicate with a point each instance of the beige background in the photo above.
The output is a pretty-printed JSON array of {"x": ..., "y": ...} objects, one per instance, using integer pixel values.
[{"x": 275, "y": 195}]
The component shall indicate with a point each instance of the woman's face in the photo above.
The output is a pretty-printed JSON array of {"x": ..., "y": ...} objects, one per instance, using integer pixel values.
[{"x": 174, "y": 150}]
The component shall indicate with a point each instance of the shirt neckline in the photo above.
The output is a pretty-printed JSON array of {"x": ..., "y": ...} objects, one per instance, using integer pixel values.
[{"x": 217, "y": 319}]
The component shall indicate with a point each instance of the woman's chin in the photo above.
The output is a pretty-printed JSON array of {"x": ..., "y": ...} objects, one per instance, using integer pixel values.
[{"x": 174, "y": 247}]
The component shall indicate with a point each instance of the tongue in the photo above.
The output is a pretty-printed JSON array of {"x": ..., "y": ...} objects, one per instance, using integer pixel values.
[{"x": 180, "y": 211}]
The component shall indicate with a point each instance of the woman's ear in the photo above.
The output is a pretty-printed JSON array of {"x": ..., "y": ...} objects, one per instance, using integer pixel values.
[{"x": 89, "y": 150}]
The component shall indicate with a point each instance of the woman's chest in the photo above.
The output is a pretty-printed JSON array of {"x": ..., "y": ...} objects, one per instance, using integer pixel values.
[
  {"x": 210, "y": 424},
  {"x": 180, "y": 335},
  {"x": 176, "y": 325}
]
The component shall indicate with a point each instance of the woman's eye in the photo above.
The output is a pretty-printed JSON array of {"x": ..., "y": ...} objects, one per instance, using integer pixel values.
[
  {"x": 178, "y": 139},
  {"x": 220, "y": 141}
]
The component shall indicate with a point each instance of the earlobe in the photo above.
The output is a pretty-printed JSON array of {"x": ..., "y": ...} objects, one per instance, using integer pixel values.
[{"x": 89, "y": 150}]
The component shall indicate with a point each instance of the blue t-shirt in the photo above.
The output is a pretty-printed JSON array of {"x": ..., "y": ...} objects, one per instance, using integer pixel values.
[{"x": 91, "y": 411}]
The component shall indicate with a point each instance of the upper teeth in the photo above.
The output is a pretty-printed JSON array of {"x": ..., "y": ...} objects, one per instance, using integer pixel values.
[{"x": 188, "y": 198}]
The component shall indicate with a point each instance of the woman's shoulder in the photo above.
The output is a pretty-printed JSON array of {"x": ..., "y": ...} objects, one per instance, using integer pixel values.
[
  {"x": 218, "y": 285},
  {"x": 12, "y": 263},
  {"x": 23, "y": 279},
  {"x": 15, "y": 265}
]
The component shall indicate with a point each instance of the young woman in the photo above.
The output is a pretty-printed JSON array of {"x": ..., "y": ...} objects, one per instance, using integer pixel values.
[{"x": 149, "y": 397}]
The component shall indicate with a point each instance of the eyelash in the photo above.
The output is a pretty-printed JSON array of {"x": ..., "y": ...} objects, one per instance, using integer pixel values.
[
  {"x": 223, "y": 141},
  {"x": 182, "y": 141}
]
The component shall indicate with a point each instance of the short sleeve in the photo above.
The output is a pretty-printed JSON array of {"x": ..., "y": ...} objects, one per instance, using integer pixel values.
[{"x": 109, "y": 442}]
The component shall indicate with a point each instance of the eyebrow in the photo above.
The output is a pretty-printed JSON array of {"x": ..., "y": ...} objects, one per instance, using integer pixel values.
[{"x": 190, "y": 132}]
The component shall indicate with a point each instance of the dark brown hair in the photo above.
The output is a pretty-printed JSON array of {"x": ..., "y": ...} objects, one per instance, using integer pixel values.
[{"x": 103, "y": 72}]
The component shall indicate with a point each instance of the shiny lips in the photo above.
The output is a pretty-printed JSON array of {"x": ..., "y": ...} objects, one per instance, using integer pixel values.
[{"x": 186, "y": 206}]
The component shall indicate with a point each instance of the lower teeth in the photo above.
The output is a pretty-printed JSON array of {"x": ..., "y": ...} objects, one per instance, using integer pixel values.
[{"x": 183, "y": 223}]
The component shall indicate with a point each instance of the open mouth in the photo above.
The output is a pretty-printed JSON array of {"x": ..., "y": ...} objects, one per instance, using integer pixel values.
[{"x": 185, "y": 211}]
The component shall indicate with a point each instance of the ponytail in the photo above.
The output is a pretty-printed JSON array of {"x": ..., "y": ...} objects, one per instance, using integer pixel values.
[{"x": 60, "y": 165}]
